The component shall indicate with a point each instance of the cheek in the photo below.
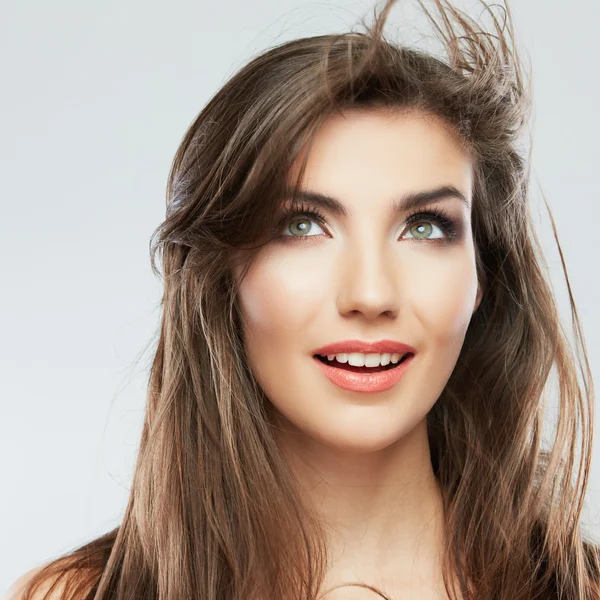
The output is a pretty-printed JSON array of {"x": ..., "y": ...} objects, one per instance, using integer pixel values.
[
  {"x": 279, "y": 302},
  {"x": 443, "y": 300}
]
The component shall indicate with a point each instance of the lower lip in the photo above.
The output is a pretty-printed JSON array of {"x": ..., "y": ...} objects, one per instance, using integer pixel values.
[{"x": 379, "y": 381}]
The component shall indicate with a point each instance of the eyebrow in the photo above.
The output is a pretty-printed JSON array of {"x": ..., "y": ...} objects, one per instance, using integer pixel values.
[{"x": 406, "y": 202}]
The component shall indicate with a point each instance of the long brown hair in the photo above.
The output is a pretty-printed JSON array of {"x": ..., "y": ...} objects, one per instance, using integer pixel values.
[{"x": 214, "y": 512}]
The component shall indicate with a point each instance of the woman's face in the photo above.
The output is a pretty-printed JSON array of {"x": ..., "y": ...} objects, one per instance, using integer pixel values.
[{"x": 365, "y": 273}]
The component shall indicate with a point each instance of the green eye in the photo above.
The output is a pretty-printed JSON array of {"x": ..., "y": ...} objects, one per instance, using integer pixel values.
[
  {"x": 424, "y": 230},
  {"x": 302, "y": 227},
  {"x": 303, "y": 218}
]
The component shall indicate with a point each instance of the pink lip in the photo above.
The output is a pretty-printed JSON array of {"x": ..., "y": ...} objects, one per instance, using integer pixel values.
[
  {"x": 346, "y": 346},
  {"x": 364, "y": 382}
]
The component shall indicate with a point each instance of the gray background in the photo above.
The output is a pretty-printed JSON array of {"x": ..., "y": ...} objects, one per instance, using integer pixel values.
[{"x": 95, "y": 99}]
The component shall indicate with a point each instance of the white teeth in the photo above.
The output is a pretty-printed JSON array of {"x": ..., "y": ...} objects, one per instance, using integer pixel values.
[{"x": 358, "y": 359}]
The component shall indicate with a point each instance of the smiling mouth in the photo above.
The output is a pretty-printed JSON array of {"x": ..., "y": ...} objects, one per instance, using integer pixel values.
[{"x": 346, "y": 367}]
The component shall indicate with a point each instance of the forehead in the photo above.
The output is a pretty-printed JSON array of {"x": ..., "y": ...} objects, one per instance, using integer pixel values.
[{"x": 383, "y": 153}]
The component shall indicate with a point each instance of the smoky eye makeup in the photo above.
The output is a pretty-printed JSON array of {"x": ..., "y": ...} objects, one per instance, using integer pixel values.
[{"x": 451, "y": 226}]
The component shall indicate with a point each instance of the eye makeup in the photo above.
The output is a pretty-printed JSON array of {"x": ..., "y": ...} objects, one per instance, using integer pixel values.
[{"x": 451, "y": 227}]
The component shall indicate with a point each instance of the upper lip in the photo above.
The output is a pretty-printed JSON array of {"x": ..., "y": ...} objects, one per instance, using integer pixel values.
[{"x": 379, "y": 347}]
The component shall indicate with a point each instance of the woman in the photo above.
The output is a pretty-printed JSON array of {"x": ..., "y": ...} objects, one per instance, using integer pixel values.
[{"x": 347, "y": 392}]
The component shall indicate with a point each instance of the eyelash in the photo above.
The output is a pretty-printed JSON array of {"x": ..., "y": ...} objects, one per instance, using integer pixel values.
[{"x": 438, "y": 216}]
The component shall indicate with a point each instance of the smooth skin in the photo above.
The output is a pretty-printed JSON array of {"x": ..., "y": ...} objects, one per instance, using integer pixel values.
[{"x": 363, "y": 458}]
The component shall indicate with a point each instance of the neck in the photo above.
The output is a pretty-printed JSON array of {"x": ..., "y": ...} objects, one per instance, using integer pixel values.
[{"x": 382, "y": 509}]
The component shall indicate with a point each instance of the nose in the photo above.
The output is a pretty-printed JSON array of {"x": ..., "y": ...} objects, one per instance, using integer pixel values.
[{"x": 367, "y": 283}]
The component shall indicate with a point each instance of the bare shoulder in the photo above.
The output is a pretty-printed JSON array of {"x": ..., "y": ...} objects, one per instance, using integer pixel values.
[{"x": 15, "y": 592}]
